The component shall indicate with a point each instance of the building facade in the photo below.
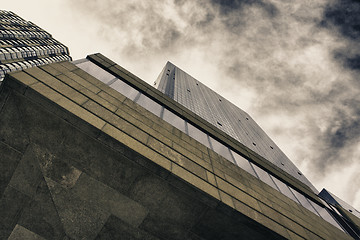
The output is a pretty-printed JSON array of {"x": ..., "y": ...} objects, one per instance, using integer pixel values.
[
  {"x": 90, "y": 151},
  {"x": 348, "y": 216},
  {"x": 24, "y": 45},
  {"x": 225, "y": 116}
]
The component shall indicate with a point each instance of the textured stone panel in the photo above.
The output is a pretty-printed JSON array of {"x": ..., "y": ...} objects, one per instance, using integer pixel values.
[
  {"x": 40, "y": 215},
  {"x": 176, "y": 214},
  {"x": 215, "y": 225},
  {"x": 81, "y": 219},
  {"x": 12, "y": 203},
  {"x": 11, "y": 131},
  {"x": 27, "y": 175},
  {"x": 114, "y": 228},
  {"x": 20, "y": 232},
  {"x": 8, "y": 164},
  {"x": 88, "y": 189}
]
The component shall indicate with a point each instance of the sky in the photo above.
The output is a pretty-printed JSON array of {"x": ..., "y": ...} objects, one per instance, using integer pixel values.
[{"x": 293, "y": 65}]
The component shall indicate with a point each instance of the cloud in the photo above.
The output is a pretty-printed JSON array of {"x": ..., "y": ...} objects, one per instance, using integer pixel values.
[
  {"x": 289, "y": 59},
  {"x": 148, "y": 27},
  {"x": 296, "y": 62},
  {"x": 344, "y": 15}
]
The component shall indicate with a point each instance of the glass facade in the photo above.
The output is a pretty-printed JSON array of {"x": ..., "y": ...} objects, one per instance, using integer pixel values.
[{"x": 224, "y": 115}]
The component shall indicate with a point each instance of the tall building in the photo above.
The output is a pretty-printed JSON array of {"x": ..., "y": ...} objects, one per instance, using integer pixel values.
[
  {"x": 24, "y": 45},
  {"x": 90, "y": 151},
  {"x": 241, "y": 128},
  {"x": 227, "y": 117}
]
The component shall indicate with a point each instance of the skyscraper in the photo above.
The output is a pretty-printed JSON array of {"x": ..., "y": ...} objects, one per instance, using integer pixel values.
[
  {"x": 24, "y": 45},
  {"x": 239, "y": 126},
  {"x": 225, "y": 116},
  {"x": 90, "y": 151}
]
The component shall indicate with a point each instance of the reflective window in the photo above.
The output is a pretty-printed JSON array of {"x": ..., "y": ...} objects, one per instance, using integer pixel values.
[
  {"x": 174, "y": 120},
  {"x": 284, "y": 189},
  {"x": 303, "y": 201},
  {"x": 125, "y": 89},
  {"x": 96, "y": 71},
  {"x": 243, "y": 163},
  {"x": 221, "y": 149},
  {"x": 324, "y": 214},
  {"x": 149, "y": 104},
  {"x": 264, "y": 176},
  {"x": 198, "y": 135}
]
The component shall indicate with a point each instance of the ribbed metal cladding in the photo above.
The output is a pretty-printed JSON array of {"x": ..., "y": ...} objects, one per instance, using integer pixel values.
[
  {"x": 224, "y": 115},
  {"x": 24, "y": 45}
]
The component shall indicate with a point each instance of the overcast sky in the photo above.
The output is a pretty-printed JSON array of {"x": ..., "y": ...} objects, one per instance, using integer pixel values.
[{"x": 294, "y": 66}]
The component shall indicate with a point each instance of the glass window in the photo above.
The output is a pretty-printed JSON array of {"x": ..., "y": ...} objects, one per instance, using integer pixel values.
[
  {"x": 284, "y": 189},
  {"x": 174, "y": 120},
  {"x": 198, "y": 135},
  {"x": 303, "y": 201},
  {"x": 149, "y": 104},
  {"x": 125, "y": 89},
  {"x": 264, "y": 176},
  {"x": 96, "y": 71},
  {"x": 243, "y": 163},
  {"x": 221, "y": 149},
  {"x": 323, "y": 212}
]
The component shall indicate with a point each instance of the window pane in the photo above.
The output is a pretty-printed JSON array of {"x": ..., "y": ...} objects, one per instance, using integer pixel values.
[
  {"x": 125, "y": 89},
  {"x": 174, "y": 120},
  {"x": 149, "y": 104},
  {"x": 96, "y": 71},
  {"x": 324, "y": 214},
  {"x": 264, "y": 176},
  {"x": 221, "y": 149},
  {"x": 243, "y": 163},
  {"x": 303, "y": 201},
  {"x": 198, "y": 135},
  {"x": 284, "y": 189}
]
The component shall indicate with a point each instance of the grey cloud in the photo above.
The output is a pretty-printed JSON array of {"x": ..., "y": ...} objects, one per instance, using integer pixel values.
[
  {"x": 227, "y": 7},
  {"x": 353, "y": 62},
  {"x": 347, "y": 131},
  {"x": 342, "y": 135},
  {"x": 234, "y": 16},
  {"x": 345, "y": 15},
  {"x": 348, "y": 59},
  {"x": 297, "y": 58},
  {"x": 143, "y": 26},
  {"x": 325, "y": 107},
  {"x": 338, "y": 142}
]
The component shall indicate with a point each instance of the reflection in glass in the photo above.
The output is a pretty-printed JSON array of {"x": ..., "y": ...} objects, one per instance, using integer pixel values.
[
  {"x": 198, "y": 135},
  {"x": 324, "y": 214},
  {"x": 96, "y": 71},
  {"x": 125, "y": 89},
  {"x": 243, "y": 163},
  {"x": 174, "y": 120},
  {"x": 264, "y": 176},
  {"x": 221, "y": 149},
  {"x": 284, "y": 189},
  {"x": 303, "y": 201},
  {"x": 149, "y": 104}
]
